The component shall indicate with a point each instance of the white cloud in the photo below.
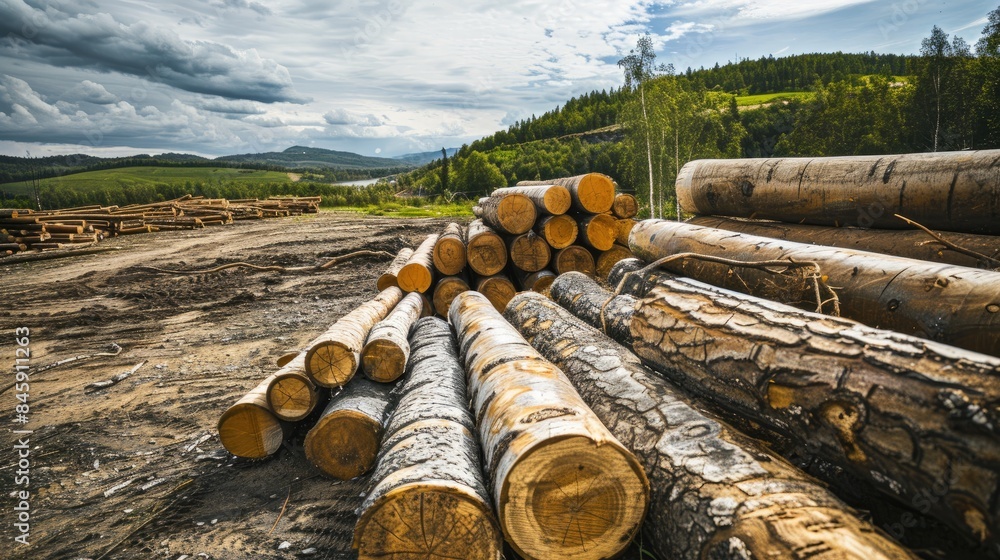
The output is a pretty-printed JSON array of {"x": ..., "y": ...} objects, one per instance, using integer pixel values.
[
  {"x": 95, "y": 93},
  {"x": 679, "y": 29}
]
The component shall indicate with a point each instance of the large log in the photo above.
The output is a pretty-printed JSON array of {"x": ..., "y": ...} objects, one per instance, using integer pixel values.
[
  {"x": 445, "y": 292},
  {"x": 417, "y": 275},
  {"x": 914, "y": 244},
  {"x": 573, "y": 258},
  {"x": 898, "y": 412},
  {"x": 291, "y": 395},
  {"x": 695, "y": 461},
  {"x": 345, "y": 440},
  {"x": 951, "y": 304},
  {"x": 625, "y": 206},
  {"x": 549, "y": 200},
  {"x": 385, "y": 353},
  {"x": 512, "y": 213},
  {"x": 593, "y": 193},
  {"x": 597, "y": 231},
  {"x": 427, "y": 497},
  {"x": 333, "y": 357},
  {"x": 563, "y": 485},
  {"x": 498, "y": 289},
  {"x": 248, "y": 428},
  {"x": 558, "y": 231},
  {"x": 388, "y": 278},
  {"x": 951, "y": 191},
  {"x": 449, "y": 251},
  {"x": 529, "y": 252},
  {"x": 487, "y": 253}
]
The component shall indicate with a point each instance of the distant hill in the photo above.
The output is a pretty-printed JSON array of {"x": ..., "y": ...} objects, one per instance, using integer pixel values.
[
  {"x": 423, "y": 158},
  {"x": 298, "y": 157}
]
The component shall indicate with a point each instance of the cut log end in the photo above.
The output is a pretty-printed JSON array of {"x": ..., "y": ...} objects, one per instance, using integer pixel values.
[
  {"x": 449, "y": 255},
  {"x": 530, "y": 252},
  {"x": 414, "y": 278},
  {"x": 343, "y": 444},
  {"x": 590, "y": 504},
  {"x": 625, "y": 206},
  {"x": 498, "y": 289},
  {"x": 595, "y": 193},
  {"x": 487, "y": 253},
  {"x": 291, "y": 397},
  {"x": 445, "y": 292},
  {"x": 331, "y": 364},
  {"x": 250, "y": 431},
  {"x": 608, "y": 259},
  {"x": 575, "y": 258},
  {"x": 428, "y": 522},
  {"x": 598, "y": 232},
  {"x": 558, "y": 231},
  {"x": 383, "y": 361}
]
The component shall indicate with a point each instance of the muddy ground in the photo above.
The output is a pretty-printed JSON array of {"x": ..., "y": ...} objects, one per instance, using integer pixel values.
[{"x": 136, "y": 470}]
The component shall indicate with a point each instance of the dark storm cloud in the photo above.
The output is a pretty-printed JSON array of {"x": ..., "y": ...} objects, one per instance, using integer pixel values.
[{"x": 143, "y": 49}]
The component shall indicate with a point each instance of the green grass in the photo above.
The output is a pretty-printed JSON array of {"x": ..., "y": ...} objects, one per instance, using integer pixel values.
[
  {"x": 137, "y": 176},
  {"x": 765, "y": 98},
  {"x": 396, "y": 210}
]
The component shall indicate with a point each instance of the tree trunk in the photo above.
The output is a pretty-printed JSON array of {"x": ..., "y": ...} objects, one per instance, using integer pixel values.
[
  {"x": 597, "y": 231},
  {"x": 592, "y": 193},
  {"x": 384, "y": 356},
  {"x": 427, "y": 497},
  {"x": 950, "y": 304},
  {"x": 345, "y": 440},
  {"x": 694, "y": 461},
  {"x": 418, "y": 273},
  {"x": 903, "y": 414},
  {"x": 607, "y": 259},
  {"x": 575, "y": 258},
  {"x": 951, "y": 191},
  {"x": 910, "y": 244},
  {"x": 549, "y": 200},
  {"x": 249, "y": 429},
  {"x": 291, "y": 395},
  {"x": 333, "y": 357},
  {"x": 622, "y": 230},
  {"x": 558, "y": 231},
  {"x": 449, "y": 251},
  {"x": 388, "y": 278},
  {"x": 586, "y": 299},
  {"x": 486, "y": 250},
  {"x": 625, "y": 206},
  {"x": 563, "y": 485},
  {"x": 446, "y": 290},
  {"x": 498, "y": 289},
  {"x": 529, "y": 252},
  {"x": 536, "y": 281},
  {"x": 512, "y": 213}
]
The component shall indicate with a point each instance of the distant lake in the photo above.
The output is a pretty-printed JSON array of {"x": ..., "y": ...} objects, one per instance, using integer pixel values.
[{"x": 360, "y": 182}]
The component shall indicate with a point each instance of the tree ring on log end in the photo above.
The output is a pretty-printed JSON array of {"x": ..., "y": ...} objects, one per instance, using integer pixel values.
[
  {"x": 383, "y": 361},
  {"x": 343, "y": 444},
  {"x": 250, "y": 431},
  {"x": 291, "y": 397},
  {"x": 596, "y": 193},
  {"x": 331, "y": 364}
]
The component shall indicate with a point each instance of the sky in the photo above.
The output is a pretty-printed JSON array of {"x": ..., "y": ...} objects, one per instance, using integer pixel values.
[{"x": 378, "y": 77}]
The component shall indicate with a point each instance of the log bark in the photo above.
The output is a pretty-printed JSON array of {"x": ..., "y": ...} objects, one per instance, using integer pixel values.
[
  {"x": 249, "y": 428},
  {"x": 549, "y": 200},
  {"x": 333, "y": 357},
  {"x": 623, "y": 228},
  {"x": 950, "y": 191},
  {"x": 529, "y": 252},
  {"x": 345, "y": 440},
  {"x": 558, "y": 231},
  {"x": 417, "y": 275},
  {"x": 536, "y": 281},
  {"x": 597, "y": 231},
  {"x": 388, "y": 278},
  {"x": 427, "y": 497},
  {"x": 625, "y": 206},
  {"x": 449, "y": 251},
  {"x": 486, "y": 250},
  {"x": 384, "y": 356},
  {"x": 511, "y": 213},
  {"x": 445, "y": 292},
  {"x": 593, "y": 193},
  {"x": 898, "y": 412},
  {"x": 914, "y": 244},
  {"x": 575, "y": 258},
  {"x": 586, "y": 299},
  {"x": 291, "y": 395},
  {"x": 695, "y": 461},
  {"x": 498, "y": 289},
  {"x": 563, "y": 485},
  {"x": 607, "y": 259},
  {"x": 955, "y": 305}
]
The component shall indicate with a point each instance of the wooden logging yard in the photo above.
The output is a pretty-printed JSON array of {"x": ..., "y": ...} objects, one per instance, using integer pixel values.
[{"x": 808, "y": 367}]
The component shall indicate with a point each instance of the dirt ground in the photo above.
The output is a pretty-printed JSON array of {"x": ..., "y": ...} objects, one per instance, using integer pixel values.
[{"x": 136, "y": 470}]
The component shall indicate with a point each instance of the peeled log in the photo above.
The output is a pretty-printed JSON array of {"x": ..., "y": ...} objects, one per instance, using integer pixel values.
[
  {"x": 951, "y": 304},
  {"x": 512, "y": 213},
  {"x": 901, "y": 413},
  {"x": 487, "y": 253},
  {"x": 345, "y": 440},
  {"x": 951, "y": 191},
  {"x": 384, "y": 356},
  {"x": 418, "y": 273},
  {"x": 446, "y": 290},
  {"x": 586, "y": 299},
  {"x": 549, "y": 200},
  {"x": 593, "y": 193},
  {"x": 388, "y": 278},
  {"x": 563, "y": 485},
  {"x": 607, "y": 259},
  {"x": 449, "y": 251},
  {"x": 498, "y": 289},
  {"x": 291, "y": 395},
  {"x": 694, "y": 461},
  {"x": 428, "y": 498},
  {"x": 913, "y": 244},
  {"x": 597, "y": 231},
  {"x": 333, "y": 357},
  {"x": 558, "y": 231},
  {"x": 249, "y": 429},
  {"x": 573, "y": 258},
  {"x": 625, "y": 206},
  {"x": 529, "y": 252}
]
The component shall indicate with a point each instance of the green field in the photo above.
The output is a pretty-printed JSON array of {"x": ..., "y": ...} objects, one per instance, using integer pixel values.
[
  {"x": 150, "y": 176},
  {"x": 765, "y": 98}
]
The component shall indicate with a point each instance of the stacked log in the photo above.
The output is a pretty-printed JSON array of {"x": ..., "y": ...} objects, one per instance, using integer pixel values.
[
  {"x": 387, "y": 350},
  {"x": 249, "y": 428}
]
